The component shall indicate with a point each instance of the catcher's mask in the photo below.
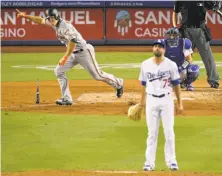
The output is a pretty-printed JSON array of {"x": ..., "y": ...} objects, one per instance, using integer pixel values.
[
  {"x": 172, "y": 37},
  {"x": 52, "y": 13}
]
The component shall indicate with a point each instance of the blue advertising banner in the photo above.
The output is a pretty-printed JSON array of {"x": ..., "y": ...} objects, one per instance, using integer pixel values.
[
  {"x": 137, "y": 4},
  {"x": 56, "y": 4}
]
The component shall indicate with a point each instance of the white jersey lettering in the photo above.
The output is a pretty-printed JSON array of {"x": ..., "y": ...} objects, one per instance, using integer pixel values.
[{"x": 159, "y": 78}]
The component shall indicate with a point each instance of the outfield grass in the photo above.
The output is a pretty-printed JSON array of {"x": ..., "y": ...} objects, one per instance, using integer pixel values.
[
  {"x": 31, "y": 74},
  {"x": 32, "y": 141}
]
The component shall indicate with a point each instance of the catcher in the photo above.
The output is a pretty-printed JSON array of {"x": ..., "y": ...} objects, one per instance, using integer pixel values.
[
  {"x": 179, "y": 50},
  {"x": 159, "y": 76}
]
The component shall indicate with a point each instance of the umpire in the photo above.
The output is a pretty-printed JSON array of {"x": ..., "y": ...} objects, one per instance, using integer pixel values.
[{"x": 194, "y": 28}]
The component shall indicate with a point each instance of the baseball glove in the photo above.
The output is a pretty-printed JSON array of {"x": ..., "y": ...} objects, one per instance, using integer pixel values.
[{"x": 135, "y": 112}]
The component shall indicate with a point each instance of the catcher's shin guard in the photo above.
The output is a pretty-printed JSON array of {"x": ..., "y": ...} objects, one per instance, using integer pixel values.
[{"x": 192, "y": 73}]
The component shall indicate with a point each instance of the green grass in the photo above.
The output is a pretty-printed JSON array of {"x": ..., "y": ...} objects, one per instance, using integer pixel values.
[
  {"x": 31, "y": 74},
  {"x": 32, "y": 141}
]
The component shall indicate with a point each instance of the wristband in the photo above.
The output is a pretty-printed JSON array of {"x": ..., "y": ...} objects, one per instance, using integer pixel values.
[{"x": 65, "y": 57}]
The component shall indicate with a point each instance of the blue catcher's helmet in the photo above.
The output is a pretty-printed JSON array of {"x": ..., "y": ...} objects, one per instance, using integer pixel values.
[{"x": 172, "y": 37}]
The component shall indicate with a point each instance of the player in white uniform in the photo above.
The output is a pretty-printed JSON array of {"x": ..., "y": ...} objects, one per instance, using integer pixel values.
[
  {"x": 77, "y": 52},
  {"x": 159, "y": 76}
]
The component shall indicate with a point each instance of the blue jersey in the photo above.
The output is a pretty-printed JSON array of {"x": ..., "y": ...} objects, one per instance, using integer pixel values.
[{"x": 176, "y": 53}]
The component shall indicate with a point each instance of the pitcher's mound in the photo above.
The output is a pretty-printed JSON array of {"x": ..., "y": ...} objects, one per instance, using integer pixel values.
[{"x": 108, "y": 97}]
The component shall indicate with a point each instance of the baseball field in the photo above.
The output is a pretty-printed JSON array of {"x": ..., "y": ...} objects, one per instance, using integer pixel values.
[{"x": 94, "y": 137}]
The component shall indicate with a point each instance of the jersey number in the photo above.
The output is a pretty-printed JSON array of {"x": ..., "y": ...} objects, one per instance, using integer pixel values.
[{"x": 166, "y": 82}]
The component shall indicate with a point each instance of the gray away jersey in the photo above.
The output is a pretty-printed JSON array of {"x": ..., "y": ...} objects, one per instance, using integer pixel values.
[{"x": 66, "y": 32}]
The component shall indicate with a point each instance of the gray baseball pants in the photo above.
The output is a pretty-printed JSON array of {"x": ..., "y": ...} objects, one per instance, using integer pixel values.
[
  {"x": 197, "y": 36},
  {"x": 87, "y": 60}
]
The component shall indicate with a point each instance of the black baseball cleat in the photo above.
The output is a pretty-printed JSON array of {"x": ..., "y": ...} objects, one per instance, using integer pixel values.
[
  {"x": 63, "y": 101},
  {"x": 119, "y": 92},
  {"x": 214, "y": 85}
]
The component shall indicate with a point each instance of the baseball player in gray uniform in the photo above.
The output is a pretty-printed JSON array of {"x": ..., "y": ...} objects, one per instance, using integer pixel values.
[{"x": 77, "y": 52}]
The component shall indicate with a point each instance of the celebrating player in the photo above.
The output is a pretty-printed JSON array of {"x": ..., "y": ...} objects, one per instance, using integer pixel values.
[
  {"x": 77, "y": 52},
  {"x": 179, "y": 50},
  {"x": 158, "y": 76}
]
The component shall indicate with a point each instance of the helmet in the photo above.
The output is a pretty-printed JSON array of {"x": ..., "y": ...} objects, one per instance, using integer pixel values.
[
  {"x": 172, "y": 37},
  {"x": 52, "y": 13},
  {"x": 159, "y": 42}
]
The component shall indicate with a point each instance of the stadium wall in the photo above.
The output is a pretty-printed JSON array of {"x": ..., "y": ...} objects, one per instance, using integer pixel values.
[{"x": 100, "y": 23}]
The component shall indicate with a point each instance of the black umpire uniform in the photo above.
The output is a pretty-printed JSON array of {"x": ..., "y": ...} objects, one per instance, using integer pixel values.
[{"x": 194, "y": 28}]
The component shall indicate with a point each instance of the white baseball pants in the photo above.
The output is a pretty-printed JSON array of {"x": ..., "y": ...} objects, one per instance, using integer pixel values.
[{"x": 157, "y": 109}]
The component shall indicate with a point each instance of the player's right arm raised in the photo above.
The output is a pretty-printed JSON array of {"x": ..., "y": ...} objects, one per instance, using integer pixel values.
[{"x": 35, "y": 19}]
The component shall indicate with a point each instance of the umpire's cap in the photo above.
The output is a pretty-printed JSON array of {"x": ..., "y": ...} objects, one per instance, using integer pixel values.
[
  {"x": 52, "y": 13},
  {"x": 159, "y": 42}
]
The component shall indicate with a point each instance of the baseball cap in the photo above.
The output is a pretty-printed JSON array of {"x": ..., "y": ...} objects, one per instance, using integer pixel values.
[{"x": 159, "y": 42}]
